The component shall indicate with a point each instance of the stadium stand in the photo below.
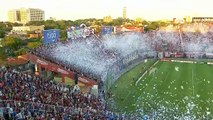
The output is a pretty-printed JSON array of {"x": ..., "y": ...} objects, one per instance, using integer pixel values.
[{"x": 25, "y": 96}]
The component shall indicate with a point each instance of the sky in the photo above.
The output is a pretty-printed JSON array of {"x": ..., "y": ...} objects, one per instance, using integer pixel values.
[{"x": 80, "y": 9}]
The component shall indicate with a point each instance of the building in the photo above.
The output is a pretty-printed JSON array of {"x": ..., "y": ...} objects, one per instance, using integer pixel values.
[
  {"x": 34, "y": 35},
  {"x": 202, "y": 19},
  {"x": 14, "y": 16},
  {"x": 35, "y": 14},
  {"x": 27, "y": 29},
  {"x": 124, "y": 13},
  {"x": 31, "y": 14},
  {"x": 107, "y": 19},
  {"x": 26, "y": 15},
  {"x": 23, "y": 14}
]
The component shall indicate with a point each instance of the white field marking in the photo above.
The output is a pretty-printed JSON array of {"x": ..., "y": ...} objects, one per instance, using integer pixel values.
[
  {"x": 144, "y": 91},
  {"x": 166, "y": 76},
  {"x": 193, "y": 89},
  {"x": 150, "y": 82},
  {"x": 139, "y": 79}
]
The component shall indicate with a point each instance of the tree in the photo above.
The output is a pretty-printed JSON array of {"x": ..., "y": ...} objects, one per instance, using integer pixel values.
[
  {"x": 97, "y": 23},
  {"x": 151, "y": 26},
  {"x": 36, "y": 23},
  {"x": 62, "y": 24},
  {"x": 63, "y": 35},
  {"x": 50, "y": 24},
  {"x": 145, "y": 23},
  {"x": 32, "y": 45},
  {"x": 109, "y": 24},
  {"x": 2, "y": 34},
  {"x": 118, "y": 21},
  {"x": 17, "y": 24},
  {"x": 12, "y": 42},
  {"x": 2, "y": 53},
  {"x": 21, "y": 51}
]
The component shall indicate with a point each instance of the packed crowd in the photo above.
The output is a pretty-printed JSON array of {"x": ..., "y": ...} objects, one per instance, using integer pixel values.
[
  {"x": 25, "y": 96},
  {"x": 83, "y": 57},
  {"x": 93, "y": 57},
  {"x": 194, "y": 38}
]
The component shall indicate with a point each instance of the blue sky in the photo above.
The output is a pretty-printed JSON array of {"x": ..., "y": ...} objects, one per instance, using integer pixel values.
[{"x": 146, "y": 9}]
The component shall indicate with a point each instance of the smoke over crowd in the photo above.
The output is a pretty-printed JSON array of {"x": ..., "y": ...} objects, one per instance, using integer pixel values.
[{"x": 94, "y": 57}]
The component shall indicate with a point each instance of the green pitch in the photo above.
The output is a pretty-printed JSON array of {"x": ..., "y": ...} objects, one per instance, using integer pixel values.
[{"x": 172, "y": 89}]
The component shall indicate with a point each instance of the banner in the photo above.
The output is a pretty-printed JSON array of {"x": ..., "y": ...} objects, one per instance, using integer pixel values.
[
  {"x": 179, "y": 55},
  {"x": 106, "y": 30},
  {"x": 78, "y": 32},
  {"x": 167, "y": 54},
  {"x": 51, "y": 36}
]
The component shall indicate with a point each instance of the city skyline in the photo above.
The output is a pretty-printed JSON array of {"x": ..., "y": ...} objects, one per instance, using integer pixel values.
[{"x": 80, "y": 9}]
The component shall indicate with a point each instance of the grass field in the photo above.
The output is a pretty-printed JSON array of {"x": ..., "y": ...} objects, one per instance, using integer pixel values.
[{"x": 173, "y": 90}]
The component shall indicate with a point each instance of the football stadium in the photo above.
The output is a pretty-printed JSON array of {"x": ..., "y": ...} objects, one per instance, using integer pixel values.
[
  {"x": 177, "y": 86},
  {"x": 161, "y": 74}
]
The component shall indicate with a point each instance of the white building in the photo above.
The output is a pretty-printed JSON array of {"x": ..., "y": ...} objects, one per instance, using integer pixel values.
[
  {"x": 25, "y": 29},
  {"x": 26, "y": 15},
  {"x": 14, "y": 16}
]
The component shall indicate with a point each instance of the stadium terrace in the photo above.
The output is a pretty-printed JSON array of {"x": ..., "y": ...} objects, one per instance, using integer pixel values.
[
  {"x": 96, "y": 58},
  {"x": 107, "y": 58}
]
